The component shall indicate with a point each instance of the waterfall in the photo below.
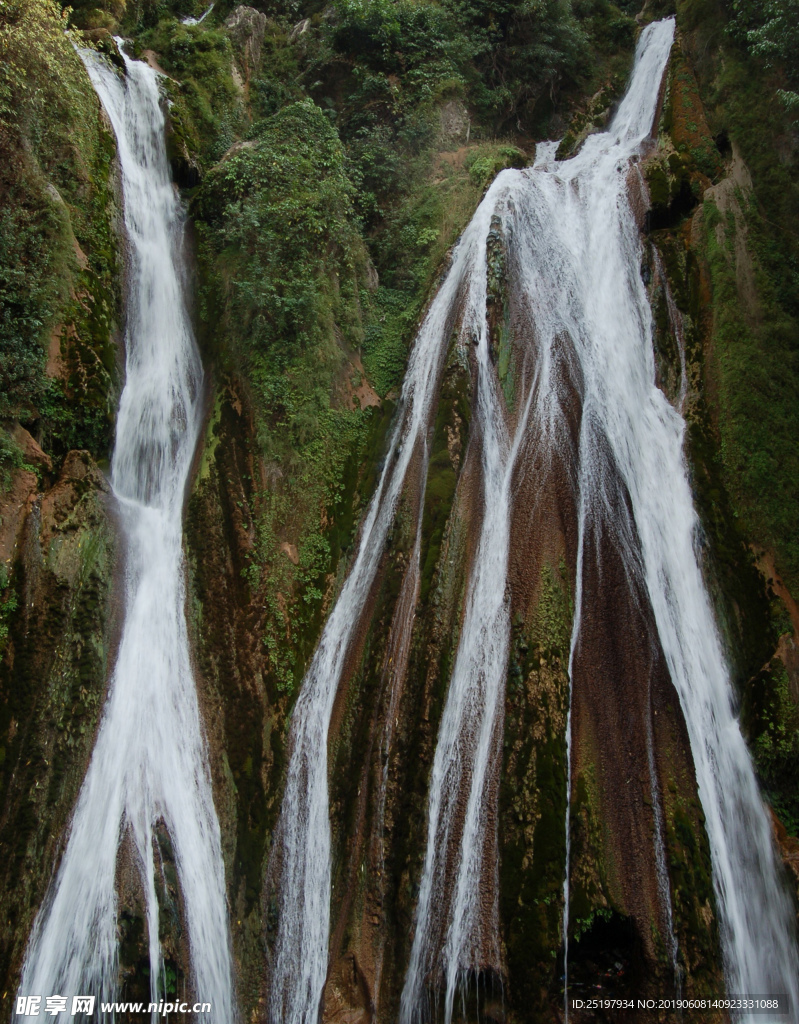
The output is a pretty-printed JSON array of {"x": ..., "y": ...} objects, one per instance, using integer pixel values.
[
  {"x": 591, "y": 254},
  {"x": 577, "y": 249},
  {"x": 150, "y": 761}
]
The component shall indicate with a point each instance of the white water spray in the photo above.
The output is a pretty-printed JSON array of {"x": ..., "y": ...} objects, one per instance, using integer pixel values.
[{"x": 150, "y": 762}]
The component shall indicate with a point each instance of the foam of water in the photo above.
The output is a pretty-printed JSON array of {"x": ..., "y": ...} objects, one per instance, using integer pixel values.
[{"x": 150, "y": 762}]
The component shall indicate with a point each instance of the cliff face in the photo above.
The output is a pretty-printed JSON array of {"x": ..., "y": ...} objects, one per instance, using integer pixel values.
[{"x": 329, "y": 163}]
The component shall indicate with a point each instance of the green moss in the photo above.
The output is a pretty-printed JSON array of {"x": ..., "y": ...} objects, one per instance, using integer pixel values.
[
  {"x": 754, "y": 350},
  {"x": 759, "y": 398},
  {"x": 388, "y": 336},
  {"x": 657, "y": 180},
  {"x": 772, "y": 715},
  {"x": 684, "y": 118},
  {"x": 483, "y": 169}
]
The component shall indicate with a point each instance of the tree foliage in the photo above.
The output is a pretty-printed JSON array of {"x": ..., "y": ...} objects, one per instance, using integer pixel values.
[
  {"x": 770, "y": 29},
  {"x": 508, "y": 51}
]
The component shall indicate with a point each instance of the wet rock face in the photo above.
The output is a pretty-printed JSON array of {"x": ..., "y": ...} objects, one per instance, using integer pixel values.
[
  {"x": 53, "y": 670},
  {"x": 619, "y": 682},
  {"x": 385, "y": 720}
]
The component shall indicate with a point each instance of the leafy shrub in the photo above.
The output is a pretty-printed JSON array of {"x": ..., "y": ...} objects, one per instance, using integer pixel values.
[
  {"x": 277, "y": 215},
  {"x": 484, "y": 169},
  {"x": 420, "y": 42},
  {"x": 520, "y": 48},
  {"x": 770, "y": 30},
  {"x": 29, "y": 229}
]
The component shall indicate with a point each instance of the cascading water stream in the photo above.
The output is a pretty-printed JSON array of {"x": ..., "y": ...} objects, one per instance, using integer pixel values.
[
  {"x": 468, "y": 747},
  {"x": 150, "y": 762},
  {"x": 578, "y": 252}
]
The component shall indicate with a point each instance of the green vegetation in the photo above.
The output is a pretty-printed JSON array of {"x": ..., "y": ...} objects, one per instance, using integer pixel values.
[
  {"x": 8, "y": 605},
  {"x": 11, "y": 457},
  {"x": 759, "y": 395},
  {"x": 405, "y": 84},
  {"x": 770, "y": 31}
]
